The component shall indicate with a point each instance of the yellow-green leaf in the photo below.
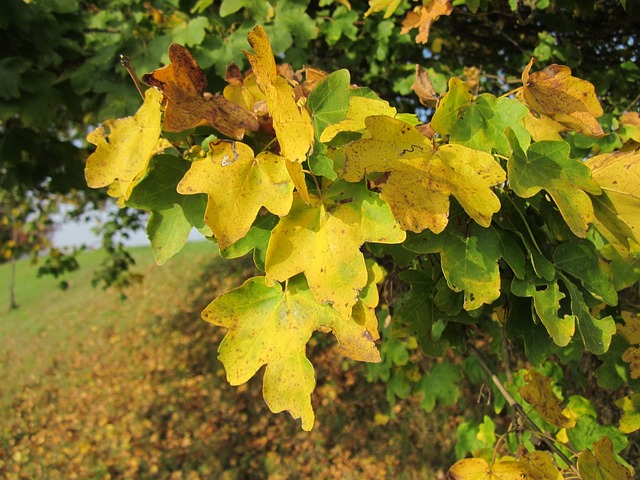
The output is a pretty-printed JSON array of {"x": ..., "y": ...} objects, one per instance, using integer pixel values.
[
  {"x": 269, "y": 326},
  {"x": 602, "y": 464},
  {"x": 124, "y": 147},
  {"x": 323, "y": 240},
  {"x": 238, "y": 185},
  {"x": 546, "y": 165},
  {"x": 630, "y": 405},
  {"x": 291, "y": 122},
  {"x": 389, "y": 6},
  {"x": 359, "y": 109},
  {"x": 421, "y": 179}
]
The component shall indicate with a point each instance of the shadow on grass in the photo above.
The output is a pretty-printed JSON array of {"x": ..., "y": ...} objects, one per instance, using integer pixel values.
[{"x": 149, "y": 399}]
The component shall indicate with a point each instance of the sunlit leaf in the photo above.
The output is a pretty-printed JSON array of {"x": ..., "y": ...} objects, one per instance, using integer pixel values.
[
  {"x": 238, "y": 185},
  {"x": 619, "y": 177},
  {"x": 423, "y": 16},
  {"x": 291, "y": 122},
  {"x": 271, "y": 326},
  {"x": 547, "y": 165},
  {"x": 323, "y": 240},
  {"x": 421, "y": 179},
  {"x": 125, "y": 146}
]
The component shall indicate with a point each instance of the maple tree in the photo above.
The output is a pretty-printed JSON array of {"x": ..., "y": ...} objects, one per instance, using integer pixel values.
[
  {"x": 466, "y": 194},
  {"x": 489, "y": 222}
]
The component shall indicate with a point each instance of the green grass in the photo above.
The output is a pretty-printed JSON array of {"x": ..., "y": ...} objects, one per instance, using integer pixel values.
[{"x": 96, "y": 387}]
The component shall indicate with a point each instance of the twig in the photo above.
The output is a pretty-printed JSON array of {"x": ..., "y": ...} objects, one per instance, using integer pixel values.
[{"x": 520, "y": 413}]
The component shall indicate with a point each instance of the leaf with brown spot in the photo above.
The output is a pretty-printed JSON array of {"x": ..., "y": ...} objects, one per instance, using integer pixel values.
[
  {"x": 539, "y": 394},
  {"x": 271, "y": 326},
  {"x": 183, "y": 84},
  {"x": 566, "y": 99},
  {"x": 422, "y": 179}
]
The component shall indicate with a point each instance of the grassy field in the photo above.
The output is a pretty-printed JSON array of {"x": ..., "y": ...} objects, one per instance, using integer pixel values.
[{"x": 94, "y": 388}]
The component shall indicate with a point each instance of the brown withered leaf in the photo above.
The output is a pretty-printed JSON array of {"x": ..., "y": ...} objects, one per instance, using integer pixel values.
[
  {"x": 471, "y": 76},
  {"x": 311, "y": 78},
  {"x": 423, "y": 16},
  {"x": 183, "y": 84},
  {"x": 568, "y": 100},
  {"x": 423, "y": 87},
  {"x": 233, "y": 75}
]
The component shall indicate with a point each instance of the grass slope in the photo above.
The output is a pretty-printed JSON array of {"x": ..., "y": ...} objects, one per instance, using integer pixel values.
[{"x": 93, "y": 387}]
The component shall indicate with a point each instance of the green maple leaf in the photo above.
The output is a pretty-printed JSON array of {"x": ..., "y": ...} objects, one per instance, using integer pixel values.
[
  {"x": 482, "y": 124},
  {"x": 581, "y": 261},
  {"x": 439, "y": 385},
  {"x": 323, "y": 240},
  {"x": 596, "y": 333},
  {"x": 329, "y": 100},
  {"x": 255, "y": 240},
  {"x": 271, "y": 326},
  {"x": 417, "y": 313},
  {"x": 238, "y": 185},
  {"x": 537, "y": 346},
  {"x": 546, "y": 303},
  {"x": 448, "y": 112},
  {"x": 172, "y": 215},
  {"x": 421, "y": 179},
  {"x": 469, "y": 259},
  {"x": 547, "y": 166}
]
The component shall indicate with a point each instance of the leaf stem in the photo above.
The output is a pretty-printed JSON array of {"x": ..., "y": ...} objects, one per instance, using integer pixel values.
[
  {"x": 526, "y": 224},
  {"x": 511, "y": 92},
  {"x": 126, "y": 63}
]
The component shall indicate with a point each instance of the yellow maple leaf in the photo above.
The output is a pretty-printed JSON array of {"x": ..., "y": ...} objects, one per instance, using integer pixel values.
[
  {"x": 618, "y": 174},
  {"x": 323, "y": 241},
  {"x": 124, "y": 148},
  {"x": 423, "y": 16},
  {"x": 631, "y": 328},
  {"x": 539, "y": 394},
  {"x": 271, "y": 326},
  {"x": 238, "y": 185},
  {"x": 389, "y": 6},
  {"x": 542, "y": 128},
  {"x": 479, "y": 469},
  {"x": 291, "y": 122},
  {"x": 568, "y": 100},
  {"x": 422, "y": 179}
]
